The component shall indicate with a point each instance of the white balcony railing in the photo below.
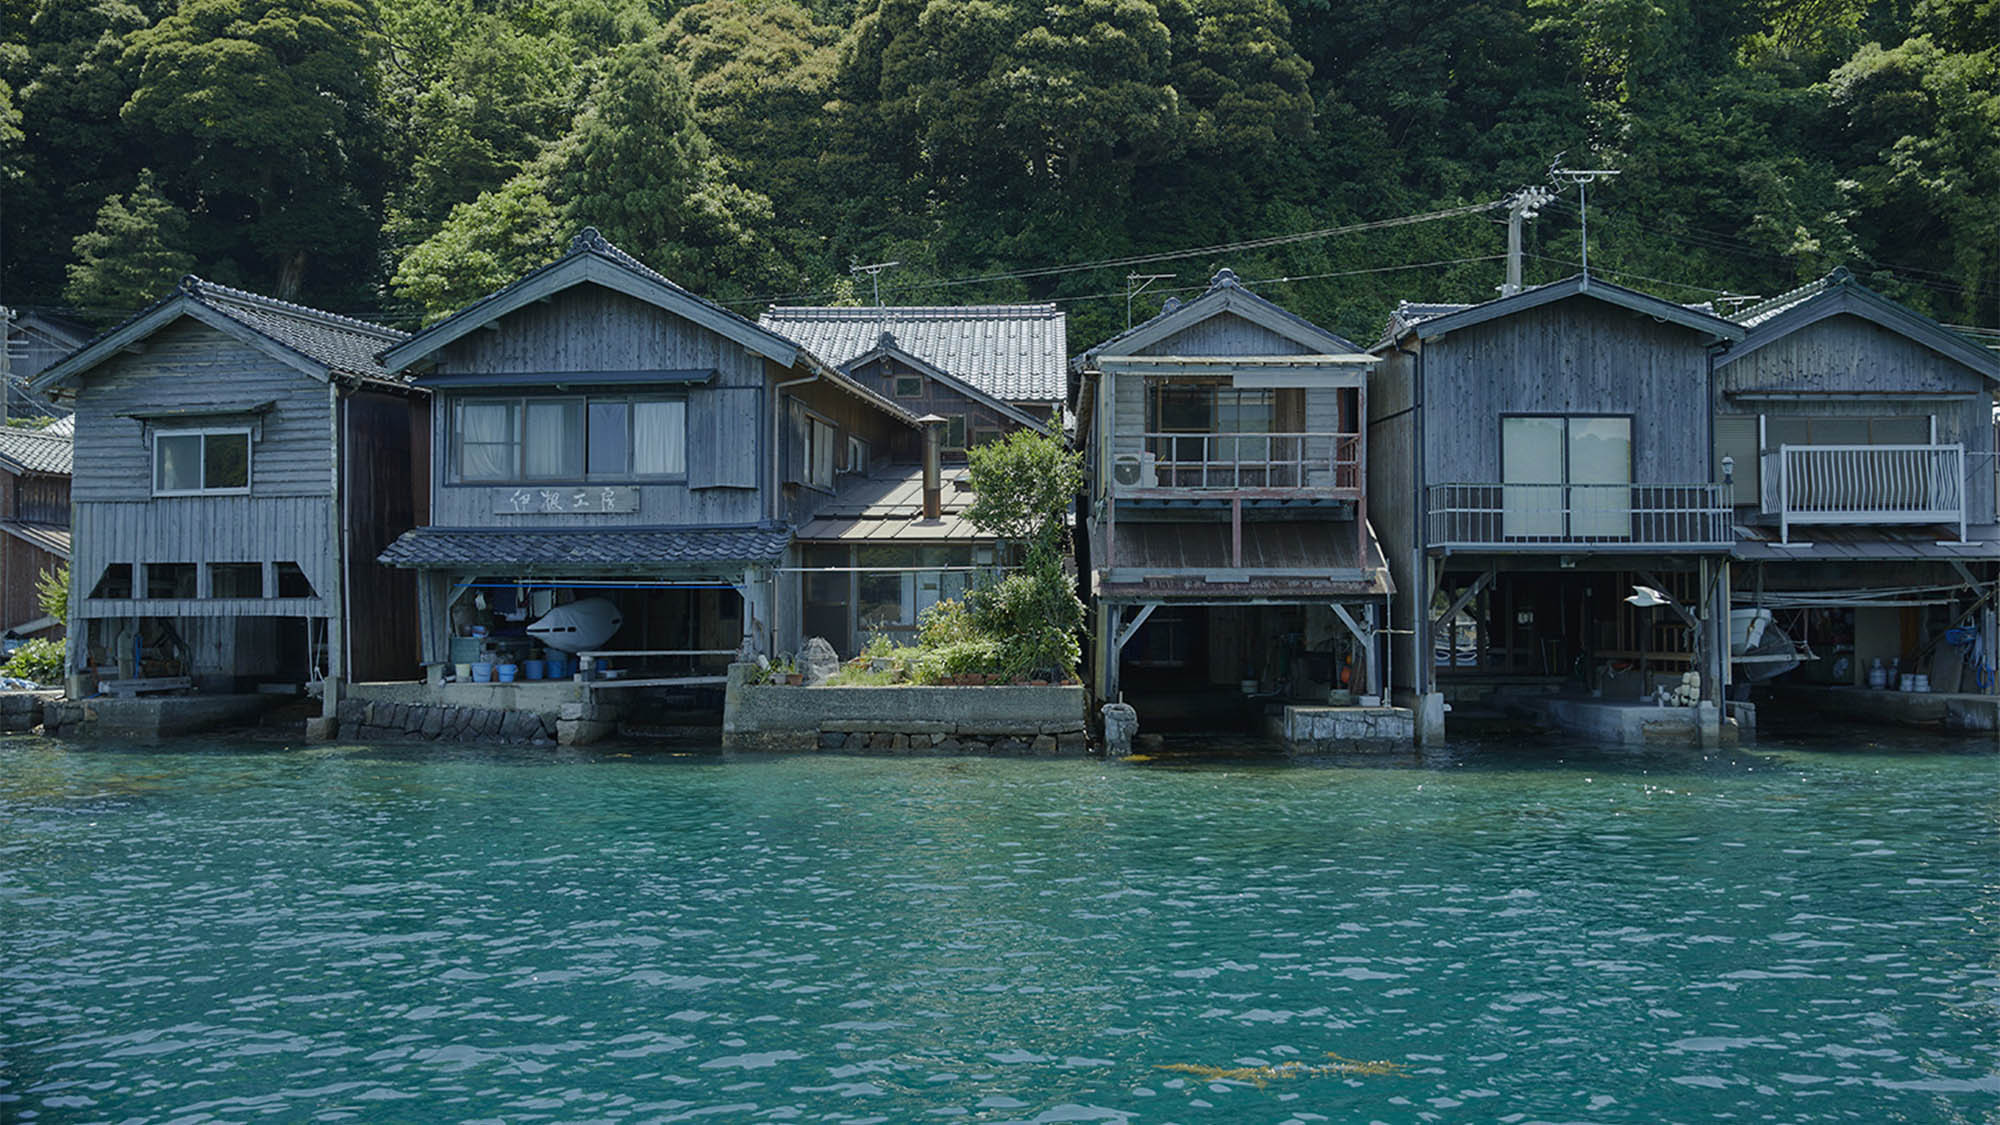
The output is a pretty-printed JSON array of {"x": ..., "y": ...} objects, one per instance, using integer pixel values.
[
  {"x": 1252, "y": 462},
  {"x": 1576, "y": 516},
  {"x": 1865, "y": 484}
]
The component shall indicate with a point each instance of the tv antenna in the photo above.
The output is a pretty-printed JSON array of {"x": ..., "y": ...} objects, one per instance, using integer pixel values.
[
  {"x": 874, "y": 272},
  {"x": 1580, "y": 177},
  {"x": 1135, "y": 284}
]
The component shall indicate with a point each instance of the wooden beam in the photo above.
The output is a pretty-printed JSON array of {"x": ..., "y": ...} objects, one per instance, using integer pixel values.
[
  {"x": 1126, "y": 630},
  {"x": 1465, "y": 599},
  {"x": 1674, "y": 604}
]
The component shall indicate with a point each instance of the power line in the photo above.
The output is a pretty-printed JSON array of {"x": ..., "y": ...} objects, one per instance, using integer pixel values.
[{"x": 1164, "y": 255}]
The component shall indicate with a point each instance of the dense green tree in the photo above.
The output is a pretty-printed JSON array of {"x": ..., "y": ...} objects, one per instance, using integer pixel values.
[
  {"x": 482, "y": 245},
  {"x": 74, "y": 151},
  {"x": 135, "y": 252},
  {"x": 263, "y": 114}
]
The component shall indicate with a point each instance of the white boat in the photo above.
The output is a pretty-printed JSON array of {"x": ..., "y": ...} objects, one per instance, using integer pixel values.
[
  {"x": 1758, "y": 647},
  {"x": 580, "y": 626}
]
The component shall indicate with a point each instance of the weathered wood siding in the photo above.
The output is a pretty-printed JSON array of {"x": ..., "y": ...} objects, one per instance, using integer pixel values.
[
  {"x": 586, "y": 329},
  {"x": 1225, "y": 334},
  {"x": 285, "y": 518},
  {"x": 937, "y": 398},
  {"x": 1576, "y": 356},
  {"x": 1394, "y": 511},
  {"x": 850, "y": 417},
  {"x": 190, "y": 365},
  {"x": 1848, "y": 354},
  {"x": 384, "y": 480},
  {"x": 206, "y": 529}
]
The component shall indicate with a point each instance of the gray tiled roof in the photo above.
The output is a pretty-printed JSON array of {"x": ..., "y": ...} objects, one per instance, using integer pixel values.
[
  {"x": 38, "y": 451},
  {"x": 347, "y": 345},
  {"x": 585, "y": 548},
  {"x": 1750, "y": 316},
  {"x": 1016, "y": 353},
  {"x": 1409, "y": 314}
]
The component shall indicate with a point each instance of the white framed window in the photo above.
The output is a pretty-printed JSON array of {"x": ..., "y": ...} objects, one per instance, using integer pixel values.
[{"x": 201, "y": 462}]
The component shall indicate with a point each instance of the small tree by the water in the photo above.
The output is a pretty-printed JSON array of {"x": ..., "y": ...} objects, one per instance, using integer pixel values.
[{"x": 1027, "y": 624}]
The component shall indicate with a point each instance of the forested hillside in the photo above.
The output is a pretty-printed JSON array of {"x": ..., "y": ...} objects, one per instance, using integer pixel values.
[{"x": 394, "y": 158}]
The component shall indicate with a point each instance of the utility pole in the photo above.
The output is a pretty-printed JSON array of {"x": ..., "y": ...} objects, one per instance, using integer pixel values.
[
  {"x": 874, "y": 272},
  {"x": 1580, "y": 177},
  {"x": 1524, "y": 204},
  {"x": 1132, "y": 290}
]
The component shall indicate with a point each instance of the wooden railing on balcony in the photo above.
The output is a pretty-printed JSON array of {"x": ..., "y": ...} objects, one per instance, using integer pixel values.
[
  {"x": 1255, "y": 462},
  {"x": 1865, "y": 484},
  {"x": 1581, "y": 516}
]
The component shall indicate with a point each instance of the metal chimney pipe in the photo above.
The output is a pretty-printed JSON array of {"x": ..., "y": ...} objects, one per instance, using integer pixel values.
[{"x": 933, "y": 470}]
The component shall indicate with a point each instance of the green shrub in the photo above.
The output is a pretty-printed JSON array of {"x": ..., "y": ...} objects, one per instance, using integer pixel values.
[{"x": 40, "y": 660}]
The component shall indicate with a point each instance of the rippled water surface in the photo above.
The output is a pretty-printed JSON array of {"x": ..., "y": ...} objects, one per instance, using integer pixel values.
[{"x": 225, "y": 933}]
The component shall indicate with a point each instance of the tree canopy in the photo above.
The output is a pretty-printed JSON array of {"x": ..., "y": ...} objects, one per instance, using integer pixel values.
[{"x": 395, "y": 159}]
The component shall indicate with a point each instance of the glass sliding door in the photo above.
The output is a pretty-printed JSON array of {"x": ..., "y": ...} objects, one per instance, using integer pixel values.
[
  {"x": 1531, "y": 467},
  {"x": 1566, "y": 477},
  {"x": 1600, "y": 456}
]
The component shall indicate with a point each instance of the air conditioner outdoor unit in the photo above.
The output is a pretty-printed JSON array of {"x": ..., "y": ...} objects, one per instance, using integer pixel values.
[{"x": 1135, "y": 470}]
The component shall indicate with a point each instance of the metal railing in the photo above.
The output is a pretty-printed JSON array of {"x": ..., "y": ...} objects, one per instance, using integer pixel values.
[
  {"x": 1865, "y": 484},
  {"x": 1621, "y": 516},
  {"x": 1226, "y": 462}
]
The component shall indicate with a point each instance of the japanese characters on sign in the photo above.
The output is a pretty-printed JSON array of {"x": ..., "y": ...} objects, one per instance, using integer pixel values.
[{"x": 565, "y": 500}]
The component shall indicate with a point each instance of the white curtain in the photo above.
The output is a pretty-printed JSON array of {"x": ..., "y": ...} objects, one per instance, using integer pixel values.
[
  {"x": 486, "y": 441},
  {"x": 659, "y": 438},
  {"x": 177, "y": 463},
  {"x": 554, "y": 437}
]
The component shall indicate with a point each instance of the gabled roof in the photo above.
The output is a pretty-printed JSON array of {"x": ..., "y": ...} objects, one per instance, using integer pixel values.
[
  {"x": 1225, "y": 294},
  {"x": 888, "y": 348},
  {"x": 1428, "y": 321},
  {"x": 45, "y": 450},
  {"x": 321, "y": 344},
  {"x": 1839, "y": 293},
  {"x": 1018, "y": 353},
  {"x": 593, "y": 259}
]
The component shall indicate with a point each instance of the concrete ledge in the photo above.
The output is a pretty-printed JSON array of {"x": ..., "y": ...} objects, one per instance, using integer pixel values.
[
  {"x": 1959, "y": 711},
  {"x": 151, "y": 718},
  {"x": 903, "y": 718},
  {"x": 1324, "y": 729},
  {"x": 21, "y": 711},
  {"x": 544, "y": 697},
  {"x": 1619, "y": 722}
]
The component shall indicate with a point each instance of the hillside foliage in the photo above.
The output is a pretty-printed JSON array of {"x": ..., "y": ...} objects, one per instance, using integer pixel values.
[{"x": 395, "y": 159}]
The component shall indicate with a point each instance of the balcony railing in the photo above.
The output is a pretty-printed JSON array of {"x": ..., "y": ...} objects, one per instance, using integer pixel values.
[
  {"x": 1251, "y": 462},
  {"x": 1573, "y": 516},
  {"x": 1865, "y": 484}
]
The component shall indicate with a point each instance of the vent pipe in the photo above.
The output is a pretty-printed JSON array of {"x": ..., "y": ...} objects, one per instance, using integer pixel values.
[{"x": 933, "y": 471}]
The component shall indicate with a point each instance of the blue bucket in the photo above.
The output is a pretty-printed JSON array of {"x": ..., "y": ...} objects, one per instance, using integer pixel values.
[
  {"x": 534, "y": 669},
  {"x": 508, "y": 673},
  {"x": 482, "y": 672}
]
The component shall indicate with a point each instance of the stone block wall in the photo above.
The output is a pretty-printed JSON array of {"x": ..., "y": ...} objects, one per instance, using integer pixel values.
[
  {"x": 378, "y": 721},
  {"x": 21, "y": 711},
  {"x": 904, "y": 719}
]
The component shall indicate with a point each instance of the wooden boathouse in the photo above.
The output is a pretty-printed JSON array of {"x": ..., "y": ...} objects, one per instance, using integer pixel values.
[
  {"x": 239, "y": 461},
  {"x": 1232, "y": 566}
]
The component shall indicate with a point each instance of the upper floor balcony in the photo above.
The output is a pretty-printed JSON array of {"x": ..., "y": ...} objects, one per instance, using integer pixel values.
[
  {"x": 1864, "y": 484},
  {"x": 1247, "y": 465},
  {"x": 1580, "y": 517}
]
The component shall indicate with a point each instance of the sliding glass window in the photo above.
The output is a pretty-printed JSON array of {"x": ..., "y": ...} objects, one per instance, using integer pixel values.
[{"x": 597, "y": 438}]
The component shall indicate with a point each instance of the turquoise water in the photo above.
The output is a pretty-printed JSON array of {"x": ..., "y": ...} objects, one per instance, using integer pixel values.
[{"x": 368, "y": 934}]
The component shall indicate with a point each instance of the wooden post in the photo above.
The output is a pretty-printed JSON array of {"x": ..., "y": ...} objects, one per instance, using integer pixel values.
[{"x": 1236, "y": 532}]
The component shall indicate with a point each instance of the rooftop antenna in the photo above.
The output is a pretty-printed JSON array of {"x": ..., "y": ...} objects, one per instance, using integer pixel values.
[
  {"x": 1135, "y": 284},
  {"x": 874, "y": 272},
  {"x": 1580, "y": 177},
  {"x": 1524, "y": 204}
]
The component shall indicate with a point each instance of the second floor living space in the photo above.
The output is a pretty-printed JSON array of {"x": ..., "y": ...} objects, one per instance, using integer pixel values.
[
  {"x": 595, "y": 393},
  {"x": 1847, "y": 416}
]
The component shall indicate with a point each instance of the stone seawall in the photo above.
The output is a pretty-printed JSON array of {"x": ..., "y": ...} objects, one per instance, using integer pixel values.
[
  {"x": 904, "y": 719},
  {"x": 21, "y": 711},
  {"x": 366, "y": 720}
]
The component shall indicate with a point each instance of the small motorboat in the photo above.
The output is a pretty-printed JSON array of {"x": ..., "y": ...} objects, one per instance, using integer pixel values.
[
  {"x": 580, "y": 626},
  {"x": 1758, "y": 648}
]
